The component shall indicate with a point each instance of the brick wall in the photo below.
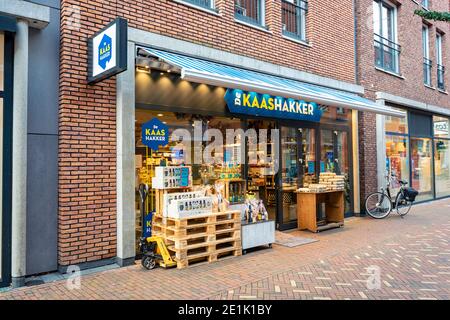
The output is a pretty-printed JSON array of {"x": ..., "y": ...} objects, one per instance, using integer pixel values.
[
  {"x": 87, "y": 149},
  {"x": 409, "y": 85}
]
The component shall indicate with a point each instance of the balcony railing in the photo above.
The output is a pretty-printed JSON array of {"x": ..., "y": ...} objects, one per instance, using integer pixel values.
[
  {"x": 387, "y": 54},
  {"x": 293, "y": 18},
  {"x": 441, "y": 77},
  {"x": 202, "y": 3},
  {"x": 427, "y": 65},
  {"x": 248, "y": 11}
]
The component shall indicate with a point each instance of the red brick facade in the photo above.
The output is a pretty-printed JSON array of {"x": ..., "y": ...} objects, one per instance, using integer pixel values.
[
  {"x": 410, "y": 83},
  {"x": 87, "y": 150}
]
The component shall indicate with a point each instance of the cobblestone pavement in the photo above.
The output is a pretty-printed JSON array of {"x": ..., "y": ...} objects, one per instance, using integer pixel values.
[{"x": 412, "y": 256}]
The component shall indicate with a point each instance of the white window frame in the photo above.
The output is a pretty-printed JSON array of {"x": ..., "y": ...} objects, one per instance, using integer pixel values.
[
  {"x": 426, "y": 52},
  {"x": 211, "y": 9},
  {"x": 394, "y": 28},
  {"x": 439, "y": 41}
]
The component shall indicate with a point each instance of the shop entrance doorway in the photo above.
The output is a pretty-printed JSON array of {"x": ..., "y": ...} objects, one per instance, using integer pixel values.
[{"x": 298, "y": 167}]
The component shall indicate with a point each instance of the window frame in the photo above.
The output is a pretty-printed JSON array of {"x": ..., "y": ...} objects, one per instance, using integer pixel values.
[
  {"x": 193, "y": 4},
  {"x": 393, "y": 40},
  {"x": 260, "y": 22},
  {"x": 439, "y": 62},
  {"x": 427, "y": 62},
  {"x": 302, "y": 9}
]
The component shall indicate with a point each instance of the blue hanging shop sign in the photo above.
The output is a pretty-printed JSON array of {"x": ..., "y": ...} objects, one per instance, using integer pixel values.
[
  {"x": 265, "y": 105},
  {"x": 155, "y": 134}
]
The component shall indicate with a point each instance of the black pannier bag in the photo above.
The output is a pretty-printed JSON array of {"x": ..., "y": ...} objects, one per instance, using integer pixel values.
[{"x": 411, "y": 194}]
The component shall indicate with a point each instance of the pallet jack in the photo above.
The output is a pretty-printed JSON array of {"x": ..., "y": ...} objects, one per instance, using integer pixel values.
[{"x": 153, "y": 248}]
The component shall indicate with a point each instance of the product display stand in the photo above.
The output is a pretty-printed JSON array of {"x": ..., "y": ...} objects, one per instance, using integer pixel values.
[
  {"x": 203, "y": 238},
  {"x": 234, "y": 190},
  {"x": 308, "y": 204}
]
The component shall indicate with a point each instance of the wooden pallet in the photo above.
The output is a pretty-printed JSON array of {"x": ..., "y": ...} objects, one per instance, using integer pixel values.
[{"x": 206, "y": 238}]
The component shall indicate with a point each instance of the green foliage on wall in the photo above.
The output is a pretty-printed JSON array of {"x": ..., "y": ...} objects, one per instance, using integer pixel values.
[{"x": 433, "y": 15}]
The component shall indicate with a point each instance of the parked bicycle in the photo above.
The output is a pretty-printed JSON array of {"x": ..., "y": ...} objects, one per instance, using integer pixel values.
[{"x": 380, "y": 204}]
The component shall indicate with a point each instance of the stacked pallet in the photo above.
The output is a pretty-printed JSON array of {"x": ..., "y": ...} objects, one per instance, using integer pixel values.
[
  {"x": 206, "y": 238},
  {"x": 332, "y": 181}
]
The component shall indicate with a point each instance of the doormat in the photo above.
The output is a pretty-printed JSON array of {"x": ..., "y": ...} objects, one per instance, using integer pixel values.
[{"x": 291, "y": 241}]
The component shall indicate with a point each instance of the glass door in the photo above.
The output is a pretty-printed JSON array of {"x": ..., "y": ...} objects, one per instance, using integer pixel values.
[
  {"x": 290, "y": 175},
  {"x": 298, "y": 168},
  {"x": 335, "y": 158}
]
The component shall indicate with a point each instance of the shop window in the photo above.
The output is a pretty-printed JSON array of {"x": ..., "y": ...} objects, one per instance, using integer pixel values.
[
  {"x": 397, "y": 158},
  {"x": 396, "y": 125},
  {"x": 442, "y": 167},
  {"x": 387, "y": 50},
  {"x": 222, "y": 162},
  {"x": 422, "y": 167},
  {"x": 338, "y": 116},
  {"x": 250, "y": 11},
  {"x": 427, "y": 63},
  {"x": 293, "y": 14},
  {"x": 424, "y": 3},
  {"x": 441, "y": 127}
]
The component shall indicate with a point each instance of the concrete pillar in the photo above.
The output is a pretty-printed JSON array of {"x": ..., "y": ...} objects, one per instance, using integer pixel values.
[
  {"x": 356, "y": 168},
  {"x": 381, "y": 149},
  {"x": 126, "y": 215},
  {"x": 19, "y": 156}
]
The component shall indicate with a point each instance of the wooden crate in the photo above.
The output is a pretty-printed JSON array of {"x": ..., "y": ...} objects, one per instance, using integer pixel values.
[{"x": 205, "y": 238}]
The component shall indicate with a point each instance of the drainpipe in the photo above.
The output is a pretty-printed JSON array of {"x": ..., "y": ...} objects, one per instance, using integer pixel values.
[
  {"x": 355, "y": 38},
  {"x": 19, "y": 155}
]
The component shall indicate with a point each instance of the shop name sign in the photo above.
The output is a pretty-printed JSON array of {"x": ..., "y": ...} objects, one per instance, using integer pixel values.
[
  {"x": 155, "y": 134},
  {"x": 108, "y": 51},
  {"x": 264, "y": 105}
]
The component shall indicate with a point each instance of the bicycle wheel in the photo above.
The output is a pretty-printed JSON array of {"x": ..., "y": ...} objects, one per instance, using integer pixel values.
[
  {"x": 402, "y": 205},
  {"x": 378, "y": 205}
]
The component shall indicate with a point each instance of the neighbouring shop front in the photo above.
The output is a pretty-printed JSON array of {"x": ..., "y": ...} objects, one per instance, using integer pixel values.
[
  {"x": 417, "y": 150},
  {"x": 192, "y": 96}
]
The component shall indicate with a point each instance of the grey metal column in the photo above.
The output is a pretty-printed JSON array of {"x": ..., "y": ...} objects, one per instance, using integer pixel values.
[
  {"x": 19, "y": 156},
  {"x": 381, "y": 148},
  {"x": 126, "y": 215}
]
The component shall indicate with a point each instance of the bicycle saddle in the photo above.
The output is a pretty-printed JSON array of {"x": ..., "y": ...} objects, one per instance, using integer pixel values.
[{"x": 403, "y": 182}]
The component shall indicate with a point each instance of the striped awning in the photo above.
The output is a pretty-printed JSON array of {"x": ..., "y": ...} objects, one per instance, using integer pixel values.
[{"x": 217, "y": 74}]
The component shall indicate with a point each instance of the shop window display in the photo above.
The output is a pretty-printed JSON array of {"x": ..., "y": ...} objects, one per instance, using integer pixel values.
[
  {"x": 442, "y": 167},
  {"x": 422, "y": 168},
  {"x": 397, "y": 155}
]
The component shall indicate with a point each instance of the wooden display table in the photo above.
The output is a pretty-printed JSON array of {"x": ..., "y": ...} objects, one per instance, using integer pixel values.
[{"x": 307, "y": 207}]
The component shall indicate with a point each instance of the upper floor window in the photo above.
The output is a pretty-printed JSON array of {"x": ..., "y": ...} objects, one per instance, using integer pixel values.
[
  {"x": 439, "y": 62},
  {"x": 427, "y": 63},
  {"x": 208, "y": 4},
  {"x": 387, "y": 51},
  {"x": 425, "y": 4},
  {"x": 250, "y": 11},
  {"x": 293, "y": 14}
]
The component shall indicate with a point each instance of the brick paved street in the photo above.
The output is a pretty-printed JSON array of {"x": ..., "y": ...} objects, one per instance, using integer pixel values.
[{"x": 413, "y": 255}]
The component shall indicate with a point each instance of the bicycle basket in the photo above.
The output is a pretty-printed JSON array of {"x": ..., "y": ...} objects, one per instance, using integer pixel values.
[{"x": 410, "y": 194}]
